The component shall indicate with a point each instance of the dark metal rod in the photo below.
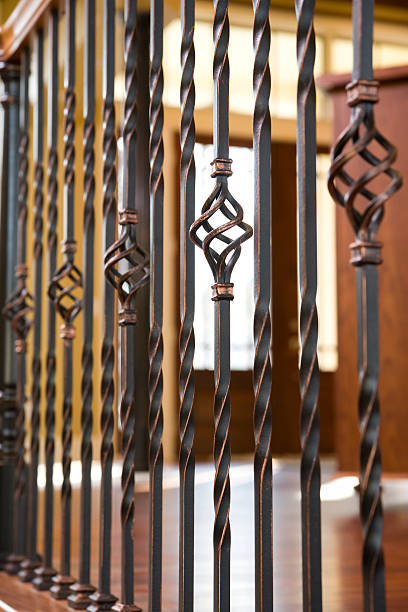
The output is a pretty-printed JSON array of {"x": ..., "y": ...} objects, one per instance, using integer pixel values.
[
  {"x": 363, "y": 18},
  {"x": 156, "y": 305},
  {"x": 222, "y": 457},
  {"x": 354, "y": 143},
  {"x": 103, "y": 599},
  {"x": 221, "y": 73},
  {"x": 126, "y": 268},
  {"x": 222, "y": 253},
  {"x": 127, "y": 281},
  {"x": 79, "y": 600},
  {"x": 369, "y": 417},
  {"x": 9, "y": 409},
  {"x": 128, "y": 419},
  {"x": 44, "y": 574},
  {"x": 309, "y": 368},
  {"x": 262, "y": 316},
  {"x": 187, "y": 291},
  {"x": 27, "y": 567},
  {"x": 64, "y": 290},
  {"x": 17, "y": 310}
]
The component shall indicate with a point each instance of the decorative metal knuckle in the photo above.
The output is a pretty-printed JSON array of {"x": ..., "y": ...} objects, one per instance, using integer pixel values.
[
  {"x": 18, "y": 309},
  {"x": 348, "y": 191},
  {"x": 127, "y": 267},
  {"x": 362, "y": 91},
  {"x": 221, "y": 261},
  {"x": 222, "y": 167},
  {"x": 63, "y": 290}
]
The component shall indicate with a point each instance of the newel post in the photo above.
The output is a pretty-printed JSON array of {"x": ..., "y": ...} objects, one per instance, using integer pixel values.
[{"x": 9, "y": 97}]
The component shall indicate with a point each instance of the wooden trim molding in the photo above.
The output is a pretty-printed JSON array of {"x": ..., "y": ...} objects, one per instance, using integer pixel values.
[
  {"x": 333, "y": 82},
  {"x": 19, "y": 26}
]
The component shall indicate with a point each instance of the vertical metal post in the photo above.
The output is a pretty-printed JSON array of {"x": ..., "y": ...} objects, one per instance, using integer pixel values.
[
  {"x": 262, "y": 316},
  {"x": 9, "y": 74},
  {"x": 187, "y": 291},
  {"x": 307, "y": 266},
  {"x": 79, "y": 600},
  {"x": 126, "y": 267},
  {"x": 354, "y": 142},
  {"x": 45, "y": 573},
  {"x": 64, "y": 290},
  {"x": 156, "y": 306},
  {"x": 103, "y": 599},
  {"x": 17, "y": 310},
  {"x": 28, "y": 566},
  {"x": 142, "y": 298},
  {"x": 222, "y": 253}
]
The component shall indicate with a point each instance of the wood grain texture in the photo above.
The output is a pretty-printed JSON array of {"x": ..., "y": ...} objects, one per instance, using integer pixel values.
[{"x": 342, "y": 588}]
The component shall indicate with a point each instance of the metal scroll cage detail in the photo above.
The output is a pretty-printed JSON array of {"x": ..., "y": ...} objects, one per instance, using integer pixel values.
[
  {"x": 346, "y": 190},
  {"x": 219, "y": 232},
  {"x": 364, "y": 205}
]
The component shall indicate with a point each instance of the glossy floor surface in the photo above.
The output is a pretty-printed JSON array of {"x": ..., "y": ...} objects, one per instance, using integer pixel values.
[{"x": 341, "y": 543}]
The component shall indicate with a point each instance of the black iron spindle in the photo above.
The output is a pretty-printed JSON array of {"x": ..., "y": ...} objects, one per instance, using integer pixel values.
[
  {"x": 64, "y": 291},
  {"x": 9, "y": 97},
  {"x": 18, "y": 310},
  {"x": 309, "y": 376},
  {"x": 355, "y": 142},
  {"x": 156, "y": 305},
  {"x": 45, "y": 573},
  {"x": 262, "y": 316},
  {"x": 103, "y": 599},
  {"x": 79, "y": 600},
  {"x": 127, "y": 268},
  {"x": 187, "y": 289},
  {"x": 221, "y": 262},
  {"x": 29, "y": 565}
]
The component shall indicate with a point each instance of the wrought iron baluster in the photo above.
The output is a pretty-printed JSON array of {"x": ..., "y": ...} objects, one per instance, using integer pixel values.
[
  {"x": 29, "y": 565},
  {"x": 79, "y": 600},
  {"x": 348, "y": 191},
  {"x": 18, "y": 311},
  {"x": 156, "y": 305},
  {"x": 187, "y": 290},
  {"x": 309, "y": 369},
  {"x": 8, "y": 254},
  {"x": 64, "y": 291},
  {"x": 103, "y": 599},
  {"x": 45, "y": 573},
  {"x": 222, "y": 252},
  {"x": 262, "y": 316},
  {"x": 126, "y": 267}
]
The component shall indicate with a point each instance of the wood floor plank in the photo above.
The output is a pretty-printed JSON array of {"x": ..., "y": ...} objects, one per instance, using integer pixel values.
[{"x": 341, "y": 543}]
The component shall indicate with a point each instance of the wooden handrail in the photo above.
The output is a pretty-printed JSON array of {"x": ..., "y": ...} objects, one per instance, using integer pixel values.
[{"x": 19, "y": 26}]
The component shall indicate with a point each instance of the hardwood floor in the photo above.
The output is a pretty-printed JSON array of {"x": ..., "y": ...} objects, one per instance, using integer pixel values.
[{"x": 341, "y": 543}]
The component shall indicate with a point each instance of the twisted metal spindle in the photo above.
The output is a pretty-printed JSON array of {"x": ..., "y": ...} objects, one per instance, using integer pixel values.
[
  {"x": 222, "y": 253},
  {"x": 126, "y": 267},
  {"x": 45, "y": 573},
  {"x": 103, "y": 598},
  {"x": 156, "y": 305},
  {"x": 187, "y": 289},
  {"x": 18, "y": 311},
  {"x": 28, "y": 566},
  {"x": 354, "y": 142},
  {"x": 79, "y": 599},
  {"x": 64, "y": 291},
  {"x": 309, "y": 376},
  {"x": 262, "y": 315}
]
